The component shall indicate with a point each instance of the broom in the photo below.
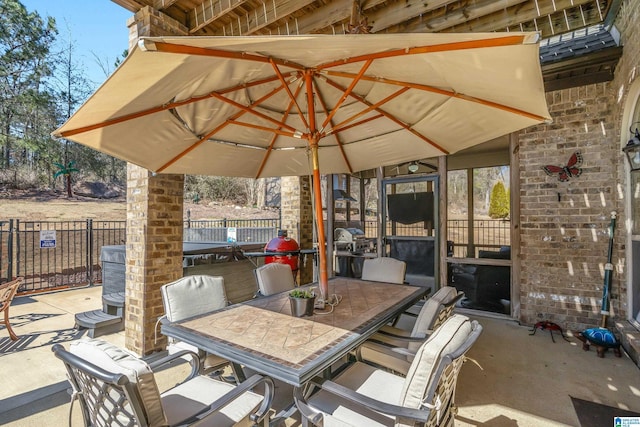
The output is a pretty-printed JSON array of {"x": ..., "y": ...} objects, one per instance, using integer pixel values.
[{"x": 601, "y": 336}]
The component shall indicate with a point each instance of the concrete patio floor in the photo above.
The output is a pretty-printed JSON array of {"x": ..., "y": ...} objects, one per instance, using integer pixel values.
[{"x": 521, "y": 380}]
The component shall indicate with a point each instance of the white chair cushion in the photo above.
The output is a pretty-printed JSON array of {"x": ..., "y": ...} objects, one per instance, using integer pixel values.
[
  {"x": 117, "y": 360},
  {"x": 451, "y": 335},
  {"x": 384, "y": 269},
  {"x": 445, "y": 294},
  {"x": 198, "y": 393},
  {"x": 274, "y": 278},
  {"x": 429, "y": 313},
  {"x": 368, "y": 381},
  {"x": 193, "y": 295}
]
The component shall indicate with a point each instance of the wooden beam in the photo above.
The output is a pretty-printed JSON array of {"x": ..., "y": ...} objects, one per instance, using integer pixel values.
[
  {"x": 163, "y": 4},
  {"x": 207, "y": 13},
  {"x": 236, "y": 20},
  {"x": 532, "y": 18},
  {"x": 398, "y": 12},
  {"x": 441, "y": 19},
  {"x": 324, "y": 17},
  {"x": 330, "y": 17}
]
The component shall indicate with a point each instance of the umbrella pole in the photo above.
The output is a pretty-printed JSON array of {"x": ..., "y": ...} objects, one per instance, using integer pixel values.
[{"x": 322, "y": 250}]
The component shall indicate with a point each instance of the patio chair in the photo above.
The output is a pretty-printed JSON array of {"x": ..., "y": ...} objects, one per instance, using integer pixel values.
[
  {"x": 188, "y": 297},
  {"x": 115, "y": 388},
  {"x": 394, "y": 348},
  {"x": 7, "y": 292},
  {"x": 384, "y": 269},
  {"x": 274, "y": 278},
  {"x": 363, "y": 395}
]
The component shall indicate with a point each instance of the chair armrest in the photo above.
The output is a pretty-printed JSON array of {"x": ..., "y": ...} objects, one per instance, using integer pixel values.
[
  {"x": 390, "y": 339},
  {"x": 194, "y": 362},
  {"x": 408, "y": 338},
  {"x": 403, "y": 351},
  {"x": 235, "y": 393},
  {"x": 421, "y": 415}
]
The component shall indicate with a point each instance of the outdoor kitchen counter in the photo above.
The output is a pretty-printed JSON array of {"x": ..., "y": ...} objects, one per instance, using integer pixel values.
[{"x": 262, "y": 335}]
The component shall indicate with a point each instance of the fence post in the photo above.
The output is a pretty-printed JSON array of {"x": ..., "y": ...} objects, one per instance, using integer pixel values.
[
  {"x": 89, "y": 230},
  {"x": 16, "y": 239},
  {"x": 10, "y": 252}
]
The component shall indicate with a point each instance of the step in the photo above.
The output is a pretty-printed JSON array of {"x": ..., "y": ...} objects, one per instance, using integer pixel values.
[
  {"x": 115, "y": 299},
  {"x": 99, "y": 323},
  {"x": 113, "y": 304}
]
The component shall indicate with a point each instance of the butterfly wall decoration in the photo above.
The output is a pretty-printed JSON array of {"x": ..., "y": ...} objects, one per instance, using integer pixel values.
[{"x": 571, "y": 170}]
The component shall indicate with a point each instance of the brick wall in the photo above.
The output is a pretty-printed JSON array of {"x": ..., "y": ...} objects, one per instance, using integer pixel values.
[
  {"x": 154, "y": 252},
  {"x": 564, "y": 225},
  {"x": 297, "y": 217},
  {"x": 151, "y": 23}
]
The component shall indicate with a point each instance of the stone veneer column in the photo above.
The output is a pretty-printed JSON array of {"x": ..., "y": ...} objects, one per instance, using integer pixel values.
[
  {"x": 297, "y": 217},
  {"x": 154, "y": 223}
]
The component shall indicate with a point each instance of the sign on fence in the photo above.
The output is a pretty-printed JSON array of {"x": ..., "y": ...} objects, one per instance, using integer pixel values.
[
  {"x": 47, "y": 239},
  {"x": 232, "y": 234}
]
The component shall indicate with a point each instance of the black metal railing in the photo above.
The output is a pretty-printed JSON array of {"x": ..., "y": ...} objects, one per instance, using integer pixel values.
[
  {"x": 26, "y": 249},
  {"x": 488, "y": 234},
  {"x": 59, "y": 254}
]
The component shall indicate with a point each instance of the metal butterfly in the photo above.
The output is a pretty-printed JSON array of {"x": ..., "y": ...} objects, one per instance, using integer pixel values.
[{"x": 572, "y": 170}]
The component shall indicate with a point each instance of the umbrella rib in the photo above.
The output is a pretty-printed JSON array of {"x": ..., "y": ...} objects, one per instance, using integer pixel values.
[
  {"x": 277, "y": 131},
  {"x": 390, "y": 117},
  {"x": 372, "y": 107},
  {"x": 443, "y": 92},
  {"x": 218, "y": 128},
  {"x": 346, "y": 93},
  {"x": 444, "y": 47},
  {"x": 164, "y": 107},
  {"x": 275, "y": 136},
  {"x": 356, "y": 124},
  {"x": 286, "y": 87},
  {"x": 252, "y": 111},
  {"x": 335, "y": 135},
  {"x": 219, "y": 53}
]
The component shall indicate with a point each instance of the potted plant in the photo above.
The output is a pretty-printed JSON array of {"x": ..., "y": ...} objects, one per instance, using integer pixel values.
[{"x": 302, "y": 301}]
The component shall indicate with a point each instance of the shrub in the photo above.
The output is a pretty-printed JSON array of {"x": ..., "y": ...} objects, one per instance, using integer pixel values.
[{"x": 499, "y": 203}]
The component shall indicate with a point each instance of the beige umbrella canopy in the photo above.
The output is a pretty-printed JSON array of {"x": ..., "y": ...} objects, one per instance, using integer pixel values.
[{"x": 297, "y": 105}]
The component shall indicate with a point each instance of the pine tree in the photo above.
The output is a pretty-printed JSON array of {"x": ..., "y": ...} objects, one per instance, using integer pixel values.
[{"x": 499, "y": 203}]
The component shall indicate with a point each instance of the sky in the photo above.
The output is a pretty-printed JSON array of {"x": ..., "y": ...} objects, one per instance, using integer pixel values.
[{"x": 95, "y": 27}]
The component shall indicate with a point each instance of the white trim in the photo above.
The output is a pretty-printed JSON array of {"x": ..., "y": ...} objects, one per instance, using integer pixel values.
[{"x": 633, "y": 99}]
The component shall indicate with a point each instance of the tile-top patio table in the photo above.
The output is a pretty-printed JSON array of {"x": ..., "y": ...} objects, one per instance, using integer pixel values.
[{"x": 262, "y": 335}]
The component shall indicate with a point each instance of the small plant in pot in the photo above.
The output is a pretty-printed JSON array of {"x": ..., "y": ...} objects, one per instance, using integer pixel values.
[{"x": 302, "y": 301}]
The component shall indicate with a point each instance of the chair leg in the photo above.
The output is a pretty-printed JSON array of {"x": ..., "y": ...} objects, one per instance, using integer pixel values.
[{"x": 12, "y": 335}]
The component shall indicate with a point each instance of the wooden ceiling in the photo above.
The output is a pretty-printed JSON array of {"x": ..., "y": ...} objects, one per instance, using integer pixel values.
[{"x": 264, "y": 17}]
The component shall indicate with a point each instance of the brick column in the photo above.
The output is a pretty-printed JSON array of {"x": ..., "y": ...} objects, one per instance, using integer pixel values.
[
  {"x": 154, "y": 251},
  {"x": 297, "y": 217},
  {"x": 154, "y": 223}
]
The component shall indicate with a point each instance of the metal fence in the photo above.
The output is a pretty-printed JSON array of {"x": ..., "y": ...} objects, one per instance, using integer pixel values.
[
  {"x": 61, "y": 254},
  {"x": 487, "y": 234},
  {"x": 26, "y": 247},
  {"x": 247, "y": 230}
]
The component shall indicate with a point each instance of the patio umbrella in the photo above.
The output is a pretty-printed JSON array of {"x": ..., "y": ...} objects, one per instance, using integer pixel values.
[{"x": 297, "y": 105}]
